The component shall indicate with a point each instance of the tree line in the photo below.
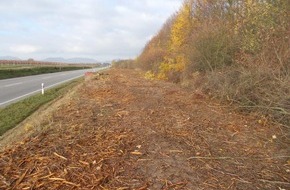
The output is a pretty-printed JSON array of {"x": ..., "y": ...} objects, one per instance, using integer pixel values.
[{"x": 234, "y": 50}]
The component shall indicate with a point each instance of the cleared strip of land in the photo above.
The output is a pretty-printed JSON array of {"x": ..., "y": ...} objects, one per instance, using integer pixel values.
[{"x": 121, "y": 131}]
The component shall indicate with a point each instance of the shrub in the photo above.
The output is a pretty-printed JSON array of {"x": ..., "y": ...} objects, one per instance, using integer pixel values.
[
  {"x": 213, "y": 48},
  {"x": 252, "y": 89}
]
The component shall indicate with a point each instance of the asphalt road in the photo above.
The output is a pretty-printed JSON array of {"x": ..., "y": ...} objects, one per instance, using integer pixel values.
[{"x": 15, "y": 89}]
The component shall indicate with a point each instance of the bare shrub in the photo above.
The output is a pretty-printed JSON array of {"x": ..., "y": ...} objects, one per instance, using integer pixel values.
[
  {"x": 252, "y": 89},
  {"x": 124, "y": 64}
]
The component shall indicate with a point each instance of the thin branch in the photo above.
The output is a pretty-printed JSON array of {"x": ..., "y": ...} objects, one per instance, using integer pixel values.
[
  {"x": 266, "y": 107},
  {"x": 275, "y": 182},
  {"x": 228, "y": 157}
]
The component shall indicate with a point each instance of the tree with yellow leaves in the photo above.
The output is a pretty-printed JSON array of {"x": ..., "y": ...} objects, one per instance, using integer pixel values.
[
  {"x": 182, "y": 26},
  {"x": 181, "y": 29}
]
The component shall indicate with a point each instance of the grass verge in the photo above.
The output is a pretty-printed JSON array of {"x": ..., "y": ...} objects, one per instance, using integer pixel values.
[
  {"x": 17, "y": 112},
  {"x": 12, "y": 73}
]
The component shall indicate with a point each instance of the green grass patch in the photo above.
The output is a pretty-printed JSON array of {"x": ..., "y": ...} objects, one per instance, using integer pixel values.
[
  {"x": 21, "y": 72},
  {"x": 15, "y": 113},
  {"x": 18, "y": 66}
]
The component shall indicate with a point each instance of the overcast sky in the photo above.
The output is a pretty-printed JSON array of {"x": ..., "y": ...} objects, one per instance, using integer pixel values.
[{"x": 99, "y": 29}]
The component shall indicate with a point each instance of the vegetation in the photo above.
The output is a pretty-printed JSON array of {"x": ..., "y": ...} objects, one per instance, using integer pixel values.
[
  {"x": 17, "y": 112},
  {"x": 233, "y": 50},
  {"x": 15, "y": 68},
  {"x": 128, "y": 63}
]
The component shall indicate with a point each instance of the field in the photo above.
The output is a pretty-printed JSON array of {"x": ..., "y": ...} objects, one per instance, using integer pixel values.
[{"x": 11, "y": 69}]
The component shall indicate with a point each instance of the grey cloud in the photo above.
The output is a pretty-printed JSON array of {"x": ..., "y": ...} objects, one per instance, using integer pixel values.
[{"x": 93, "y": 28}]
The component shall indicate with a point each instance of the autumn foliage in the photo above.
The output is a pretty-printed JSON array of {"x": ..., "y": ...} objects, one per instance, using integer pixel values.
[{"x": 234, "y": 50}]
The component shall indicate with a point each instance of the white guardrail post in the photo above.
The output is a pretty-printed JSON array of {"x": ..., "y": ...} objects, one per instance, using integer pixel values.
[{"x": 42, "y": 88}]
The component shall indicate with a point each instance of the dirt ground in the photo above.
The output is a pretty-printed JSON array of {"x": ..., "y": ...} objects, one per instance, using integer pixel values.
[{"x": 121, "y": 131}]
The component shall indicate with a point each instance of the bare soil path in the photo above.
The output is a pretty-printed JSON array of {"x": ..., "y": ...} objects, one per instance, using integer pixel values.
[{"x": 121, "y": 131}]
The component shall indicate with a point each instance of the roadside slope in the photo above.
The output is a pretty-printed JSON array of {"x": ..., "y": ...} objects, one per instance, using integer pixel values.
[{"x": 120, "y": 131}]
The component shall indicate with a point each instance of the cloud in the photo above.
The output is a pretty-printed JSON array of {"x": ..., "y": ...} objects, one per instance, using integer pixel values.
[
  {"x": 25, "y": 48},
  {"x": 91, "y": 28}
]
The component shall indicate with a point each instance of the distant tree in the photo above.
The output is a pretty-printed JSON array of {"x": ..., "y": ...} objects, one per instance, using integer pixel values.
[{"x": 31, "y": 61}]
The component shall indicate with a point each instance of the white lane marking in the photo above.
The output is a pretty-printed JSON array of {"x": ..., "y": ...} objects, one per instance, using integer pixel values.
[
  {"x": 14, "y": 84},
  {"x": 2, "y": 103},
  {"x": 19, "y": 97}
]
